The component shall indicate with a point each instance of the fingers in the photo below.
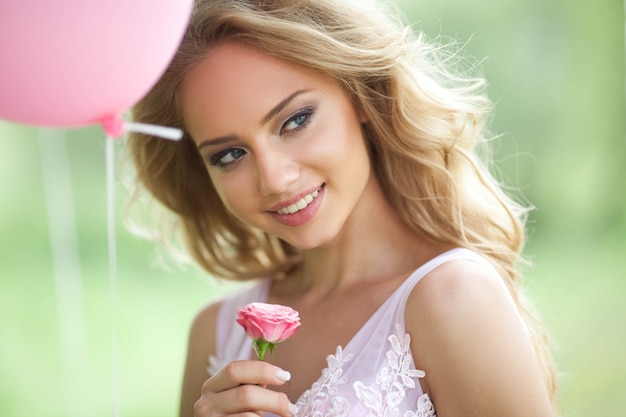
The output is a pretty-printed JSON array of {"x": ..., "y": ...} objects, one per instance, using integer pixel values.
[
  {"x": 239, "y": 388},
  {"x": 246, "y": 372},
  {"x": 244, "y": 399}
]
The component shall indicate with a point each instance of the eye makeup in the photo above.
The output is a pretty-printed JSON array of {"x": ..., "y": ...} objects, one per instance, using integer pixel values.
[
  {"x": 297, "y": 121},
  {"x": 226, "y": 157}
]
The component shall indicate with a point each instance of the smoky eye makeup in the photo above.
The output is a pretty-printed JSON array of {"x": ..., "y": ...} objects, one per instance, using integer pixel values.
[
  {"x": 298, "y": 120},
  {"x": 225, "y": 157}
]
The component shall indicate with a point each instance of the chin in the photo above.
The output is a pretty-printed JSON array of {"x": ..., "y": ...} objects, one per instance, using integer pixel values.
[{"x": 304, "y": 243}]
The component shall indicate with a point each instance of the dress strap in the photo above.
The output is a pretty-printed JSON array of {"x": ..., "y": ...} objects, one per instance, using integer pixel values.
[
  {"x": 437, "y": 261},
  {"x": 453, "y": 254}
]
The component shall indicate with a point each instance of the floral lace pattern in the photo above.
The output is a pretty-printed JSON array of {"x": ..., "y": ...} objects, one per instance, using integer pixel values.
[
  {"x": 323, "y": 393},
  {"x": 383, "y": 399},
  {"x": 425, "y": 408}
]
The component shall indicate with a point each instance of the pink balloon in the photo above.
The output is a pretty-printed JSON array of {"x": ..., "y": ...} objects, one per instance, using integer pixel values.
[{"x": 68, "y": 63}]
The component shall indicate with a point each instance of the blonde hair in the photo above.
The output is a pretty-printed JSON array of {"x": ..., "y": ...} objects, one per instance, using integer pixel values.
[{"x": 425, "y": 124}]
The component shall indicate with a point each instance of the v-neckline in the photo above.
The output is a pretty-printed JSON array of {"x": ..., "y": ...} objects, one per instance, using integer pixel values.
[
  {"x": 422, "y": 270},
  {"x": 409, "y": 281}
]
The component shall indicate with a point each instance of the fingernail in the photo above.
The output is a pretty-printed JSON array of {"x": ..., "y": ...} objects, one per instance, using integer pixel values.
[
  {"x": 283, "y": 375},
  {"x": 293, "y": 409}
]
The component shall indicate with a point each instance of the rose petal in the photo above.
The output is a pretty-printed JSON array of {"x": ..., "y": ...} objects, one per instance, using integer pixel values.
[{"x": 271, "y": 322}]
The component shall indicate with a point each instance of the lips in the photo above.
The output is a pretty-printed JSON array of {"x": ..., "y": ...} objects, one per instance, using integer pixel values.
[
  {"x": 299, "y": 210},
  {"x": 299, "y": 205}
]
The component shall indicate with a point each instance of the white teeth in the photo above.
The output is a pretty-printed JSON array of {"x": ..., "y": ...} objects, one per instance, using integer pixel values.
[{"x": 298, "y": 205}]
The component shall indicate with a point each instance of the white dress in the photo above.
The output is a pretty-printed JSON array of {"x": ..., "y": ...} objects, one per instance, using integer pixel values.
[{"x": 372, "y": 376}]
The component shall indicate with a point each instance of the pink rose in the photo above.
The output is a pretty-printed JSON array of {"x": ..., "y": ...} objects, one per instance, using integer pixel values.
[{"x": 268, "y": 324}]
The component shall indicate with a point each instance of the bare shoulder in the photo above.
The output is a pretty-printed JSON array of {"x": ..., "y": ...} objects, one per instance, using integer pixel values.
[
  {"x": 458, "y": 302},
  {"x": 204, "y": 324},
  {"x": 457, "y": 285},
  {"x": 201, "y": 345},
  {"x": 467, "y": 335}
]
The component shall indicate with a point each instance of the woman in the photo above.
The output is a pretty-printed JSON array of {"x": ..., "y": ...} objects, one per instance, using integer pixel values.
[{"x": 329, "y": 156}]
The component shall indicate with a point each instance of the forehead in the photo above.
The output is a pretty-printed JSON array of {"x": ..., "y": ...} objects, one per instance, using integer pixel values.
[{"x": 236, "y": 77}]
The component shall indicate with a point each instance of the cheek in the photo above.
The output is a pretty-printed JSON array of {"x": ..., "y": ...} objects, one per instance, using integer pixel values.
[
  {"x": 234, "y": 192},
  {"x": 343, "y": 145}
]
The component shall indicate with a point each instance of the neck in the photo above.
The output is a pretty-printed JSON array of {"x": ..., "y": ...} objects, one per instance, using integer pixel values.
[{"x": 374, "y": 244}]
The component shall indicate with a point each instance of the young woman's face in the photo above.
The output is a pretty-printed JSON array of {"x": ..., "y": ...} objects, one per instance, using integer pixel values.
[{"x": 283, "y": 147}]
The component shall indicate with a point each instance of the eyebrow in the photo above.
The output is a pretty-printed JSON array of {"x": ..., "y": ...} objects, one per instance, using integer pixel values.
[
  {"x": 277, "y": 108},
  {"x": 273, "y": 112},
  {"x": 215, "y": 141}
]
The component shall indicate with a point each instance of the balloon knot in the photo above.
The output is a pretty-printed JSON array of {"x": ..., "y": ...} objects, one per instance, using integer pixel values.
[{"x": 113, "y": 125}]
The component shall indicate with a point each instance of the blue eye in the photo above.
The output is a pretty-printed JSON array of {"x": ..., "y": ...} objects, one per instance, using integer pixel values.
[
  {"x": 297, "y": 122},
  {"x": 226, "y": 157}
]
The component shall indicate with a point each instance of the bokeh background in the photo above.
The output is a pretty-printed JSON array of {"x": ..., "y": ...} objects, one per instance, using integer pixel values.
[{"x": 556, "y": 74}]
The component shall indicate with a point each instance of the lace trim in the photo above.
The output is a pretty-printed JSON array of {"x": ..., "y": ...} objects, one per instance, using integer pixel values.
[
  {"x": 324, "y": 390},
  {"x": 381, "y": 400},
  {"x": 425, "y": 408}
]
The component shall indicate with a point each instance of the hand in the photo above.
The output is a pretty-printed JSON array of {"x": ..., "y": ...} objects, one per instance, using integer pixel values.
[{"x": 240, "y": 388}]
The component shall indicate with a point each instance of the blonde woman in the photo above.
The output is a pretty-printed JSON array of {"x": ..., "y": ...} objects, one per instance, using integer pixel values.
[{"x": 331, "y": 157}]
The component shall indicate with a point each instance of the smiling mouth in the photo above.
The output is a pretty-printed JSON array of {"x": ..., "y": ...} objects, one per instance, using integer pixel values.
[{"x": 299, "y": 205}]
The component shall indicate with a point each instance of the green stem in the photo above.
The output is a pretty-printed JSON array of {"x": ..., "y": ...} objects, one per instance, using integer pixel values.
[{"x": 261, "y": 346}]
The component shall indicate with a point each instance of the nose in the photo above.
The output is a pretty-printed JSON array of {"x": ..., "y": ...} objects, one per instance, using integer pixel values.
[{"x": 277, "y": 170}]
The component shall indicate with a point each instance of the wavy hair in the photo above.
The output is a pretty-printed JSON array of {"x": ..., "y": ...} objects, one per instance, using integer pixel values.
[{"x": 426, "y": 126}]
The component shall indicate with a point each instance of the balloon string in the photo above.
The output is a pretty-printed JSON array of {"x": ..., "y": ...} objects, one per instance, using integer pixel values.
[
  {"x": 110, "y": 196},
  {"x": 115, "y": 127}
]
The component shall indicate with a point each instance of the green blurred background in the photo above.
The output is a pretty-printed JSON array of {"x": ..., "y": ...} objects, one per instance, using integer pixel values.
[{"x": 556, "y": 73}]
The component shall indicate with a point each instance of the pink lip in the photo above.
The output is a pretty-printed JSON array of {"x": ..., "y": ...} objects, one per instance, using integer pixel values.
[
  {"x": 303, "y": 216},
  {"x": 294, "y": 199}
]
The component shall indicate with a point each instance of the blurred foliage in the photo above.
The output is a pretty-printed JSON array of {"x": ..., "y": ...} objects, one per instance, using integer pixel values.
[{"x": 556, "y": 75}]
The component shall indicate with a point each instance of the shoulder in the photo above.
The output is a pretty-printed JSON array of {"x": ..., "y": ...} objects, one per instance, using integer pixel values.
[
  {"x": 458, "y": 299},
  {"x": 465, "y": 328},
  {"x": 204, "y": 336},
  {"x": 456, "y": 285},
  {"x": 206, "y": 329},
  {"x": 203, "y": 327},
  {"x": 201, "y": 345}
]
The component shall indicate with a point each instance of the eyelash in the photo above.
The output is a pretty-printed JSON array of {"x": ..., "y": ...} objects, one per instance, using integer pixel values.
[
  {"x": 216, "y": 160},
  {"x": 306, "y": 113}
]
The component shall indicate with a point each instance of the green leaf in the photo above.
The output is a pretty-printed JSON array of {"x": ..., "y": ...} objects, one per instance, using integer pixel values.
[{"x": 261, "y": 346}]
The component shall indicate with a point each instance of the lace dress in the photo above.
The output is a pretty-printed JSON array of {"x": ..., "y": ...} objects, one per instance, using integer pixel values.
[{"x": 372, "y": 376}]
